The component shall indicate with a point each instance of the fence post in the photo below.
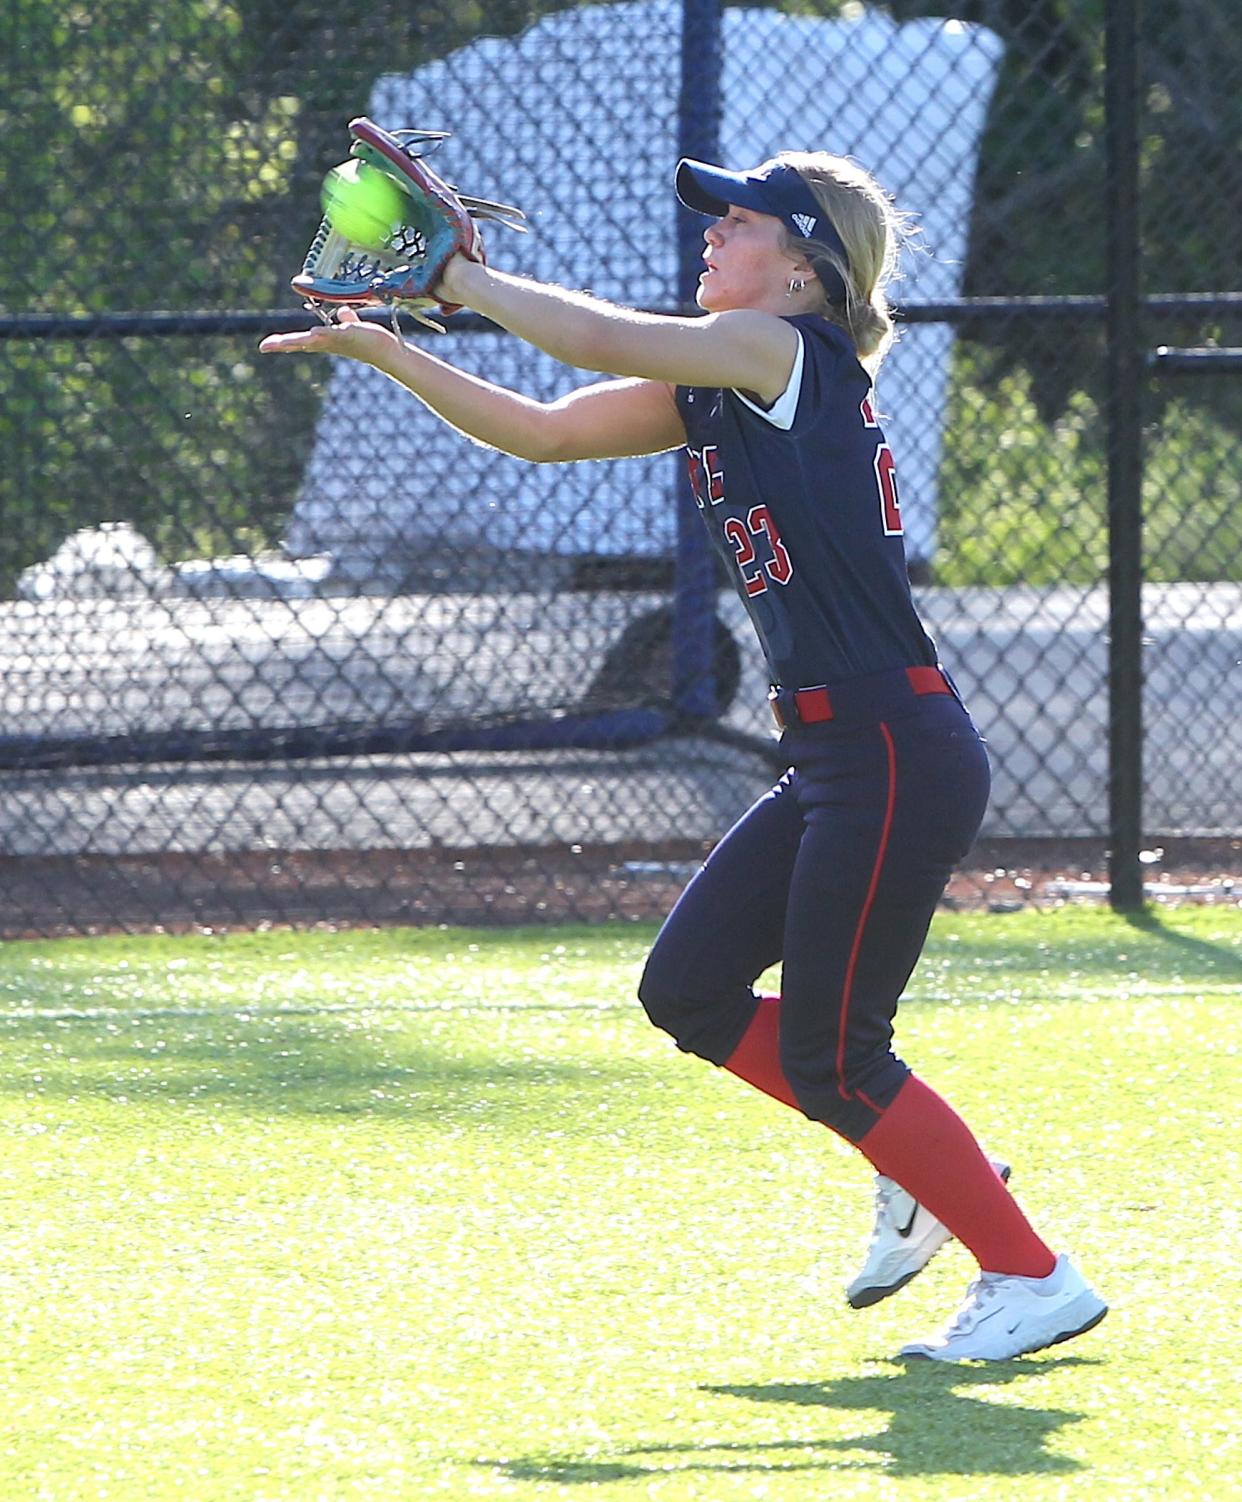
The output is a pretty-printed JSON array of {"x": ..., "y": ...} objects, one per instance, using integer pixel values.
[
  {"x": 1125, "y": 457},
  {"x": 698, "y": 135}
]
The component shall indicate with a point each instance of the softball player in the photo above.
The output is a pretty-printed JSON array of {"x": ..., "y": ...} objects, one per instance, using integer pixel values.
[{"x": 835, "y": 872}]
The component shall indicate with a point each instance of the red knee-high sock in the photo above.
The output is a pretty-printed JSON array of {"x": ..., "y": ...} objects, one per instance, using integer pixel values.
[
  {"x": 922, "y": 1143},
  {"x": 757, "y": 1058}
]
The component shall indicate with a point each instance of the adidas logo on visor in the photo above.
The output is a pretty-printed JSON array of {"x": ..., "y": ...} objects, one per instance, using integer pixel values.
[{"x": 805, "y": 222}]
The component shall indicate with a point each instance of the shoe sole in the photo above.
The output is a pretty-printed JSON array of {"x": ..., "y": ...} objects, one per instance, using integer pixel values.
[
  {"x": 1044, "y": 1345},
  {"x": 876, "y": 1293},
  {"x": 1070, "y": 1334}
]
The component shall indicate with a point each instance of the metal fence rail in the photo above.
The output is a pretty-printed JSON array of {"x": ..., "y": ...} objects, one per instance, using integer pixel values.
[{"x": 277, "y": 646}]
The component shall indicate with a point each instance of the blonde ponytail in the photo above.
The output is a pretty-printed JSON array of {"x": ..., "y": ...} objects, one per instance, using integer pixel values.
[{"x": 870, "y": 325}]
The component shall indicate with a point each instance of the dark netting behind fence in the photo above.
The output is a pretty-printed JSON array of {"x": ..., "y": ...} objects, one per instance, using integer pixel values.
[{"x": 276, "y": 645}]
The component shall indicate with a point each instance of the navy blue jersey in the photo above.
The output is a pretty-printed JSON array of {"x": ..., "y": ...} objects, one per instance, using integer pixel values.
[{"x": 801, "y": 501}]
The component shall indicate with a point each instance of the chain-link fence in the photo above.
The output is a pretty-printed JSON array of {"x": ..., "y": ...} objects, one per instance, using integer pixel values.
[{"x": 275, "y": 645}]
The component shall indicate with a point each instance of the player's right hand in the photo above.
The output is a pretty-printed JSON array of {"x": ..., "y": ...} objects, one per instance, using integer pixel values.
[{"x": 349, "y": 336}]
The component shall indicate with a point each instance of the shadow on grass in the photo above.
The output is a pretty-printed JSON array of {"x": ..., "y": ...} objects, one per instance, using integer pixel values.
[
  {"x": 1136, "y": 942},
  {"x": 301, "y": 1064},
  {"x": 935, "y": 1427},
  {"x": 1212, "y": 960}
]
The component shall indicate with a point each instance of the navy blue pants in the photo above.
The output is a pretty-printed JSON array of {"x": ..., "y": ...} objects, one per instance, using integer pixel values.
[{"x": 836, "y": 872}]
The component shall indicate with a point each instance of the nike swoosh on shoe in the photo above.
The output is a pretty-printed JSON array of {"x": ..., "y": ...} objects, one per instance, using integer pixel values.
[{"x": 905, "y": 1231}]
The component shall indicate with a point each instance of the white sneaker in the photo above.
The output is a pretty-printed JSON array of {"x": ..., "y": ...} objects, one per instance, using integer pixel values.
[
  {"x": 904, "y": 1240},
  {"x": 1006, "y": 1316}
]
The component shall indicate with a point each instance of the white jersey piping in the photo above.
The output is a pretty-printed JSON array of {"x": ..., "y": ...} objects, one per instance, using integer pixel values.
[{"x": 783, "y": 410}]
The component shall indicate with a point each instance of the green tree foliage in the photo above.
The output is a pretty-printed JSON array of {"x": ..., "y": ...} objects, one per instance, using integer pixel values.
[
  {"x": 1023, "y": 477},
  {"x": 141, "y": 183},
  {"x": 169, "y": 157},
  {"x": 1039, "y": 219},
  {"x": 1022, "y": 499}
]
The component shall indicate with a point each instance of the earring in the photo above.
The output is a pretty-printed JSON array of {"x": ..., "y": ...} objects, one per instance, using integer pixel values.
[{"x": 795, "y": 286}]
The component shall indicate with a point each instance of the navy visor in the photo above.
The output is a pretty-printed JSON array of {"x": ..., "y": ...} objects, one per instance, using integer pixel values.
[{"x": 773, "y": 188}]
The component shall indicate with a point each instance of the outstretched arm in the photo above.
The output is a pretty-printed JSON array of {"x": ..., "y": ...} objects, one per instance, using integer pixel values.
[
  {"x": 608, "y": 420},
  {"x": 743, "y": 349}
]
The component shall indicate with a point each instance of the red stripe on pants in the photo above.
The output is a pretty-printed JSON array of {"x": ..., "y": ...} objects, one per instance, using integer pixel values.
[{"x": 868, "y": 902}]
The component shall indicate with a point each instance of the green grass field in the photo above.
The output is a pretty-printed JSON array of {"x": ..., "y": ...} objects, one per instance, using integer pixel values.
[{"x": 435, "y": 1214}]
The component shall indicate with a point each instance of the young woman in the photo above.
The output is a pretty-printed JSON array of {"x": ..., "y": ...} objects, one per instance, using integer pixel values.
[{"x": 836, "y": 872}]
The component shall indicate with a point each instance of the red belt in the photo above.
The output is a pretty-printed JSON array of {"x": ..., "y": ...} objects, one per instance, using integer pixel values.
[{"x": 813, "y": 706}]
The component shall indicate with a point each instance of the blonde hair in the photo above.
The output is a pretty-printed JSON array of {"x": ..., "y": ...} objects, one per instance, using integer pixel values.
[{"x": 871, "y": 228}]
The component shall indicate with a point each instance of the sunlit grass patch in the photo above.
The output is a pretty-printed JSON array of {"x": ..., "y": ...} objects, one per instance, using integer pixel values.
[{"x": 413, "y": 1214}]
